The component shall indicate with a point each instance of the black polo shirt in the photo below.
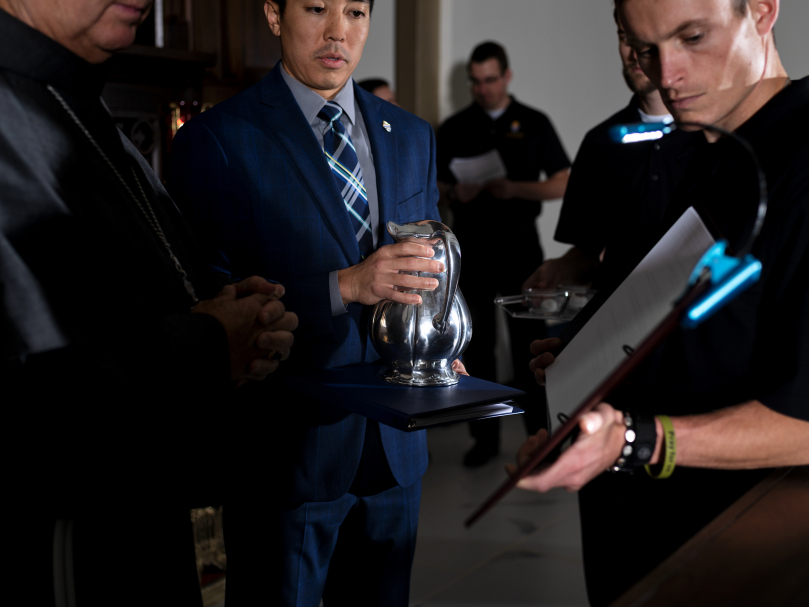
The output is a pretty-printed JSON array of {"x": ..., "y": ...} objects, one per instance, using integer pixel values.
[
  {"x": 610, "y": 185},
  {"x": 758, "y": 346},
  {"x": 755, "y": 348},
  {"x": 528, "y": 144}
]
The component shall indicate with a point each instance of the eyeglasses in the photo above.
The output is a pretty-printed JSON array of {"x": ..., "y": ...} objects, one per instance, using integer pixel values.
[{"x": 489, "y": 80}]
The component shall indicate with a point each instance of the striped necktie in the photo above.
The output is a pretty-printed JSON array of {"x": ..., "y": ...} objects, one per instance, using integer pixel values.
[{"x": 342, "y": 158}]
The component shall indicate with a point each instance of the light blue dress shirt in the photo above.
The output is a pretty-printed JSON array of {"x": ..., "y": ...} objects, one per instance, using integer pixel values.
[{"x": 311, "y": 103}]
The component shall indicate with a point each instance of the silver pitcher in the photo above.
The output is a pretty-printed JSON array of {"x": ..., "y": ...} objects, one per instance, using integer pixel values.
[{"x": 418, "y": 343}]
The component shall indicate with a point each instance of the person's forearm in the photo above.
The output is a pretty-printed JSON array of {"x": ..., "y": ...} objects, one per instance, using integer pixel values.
[
  {"x": 551, "y": 188},
  {"x": 444, "y": 189},
  {"x": 741, "y": 437},
  {"x": 578, "y": 266}
]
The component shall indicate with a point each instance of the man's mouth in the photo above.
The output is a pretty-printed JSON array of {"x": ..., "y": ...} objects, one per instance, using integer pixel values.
[
  {"x": 332, "y": 60},
  {"x": 683, "y": 102},
  {"x": 134, "y": 10}
]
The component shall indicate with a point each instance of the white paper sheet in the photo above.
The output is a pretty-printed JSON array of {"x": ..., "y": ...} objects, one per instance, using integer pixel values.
[
  {"x": 478, "y": 169},
  {"x": 628, "y": 316}
]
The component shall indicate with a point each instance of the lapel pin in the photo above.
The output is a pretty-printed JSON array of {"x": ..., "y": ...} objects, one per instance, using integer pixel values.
[{"x": 386, "y": 125}]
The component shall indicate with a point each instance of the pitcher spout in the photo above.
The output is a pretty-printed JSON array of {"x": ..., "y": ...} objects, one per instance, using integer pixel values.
[{"x": 417, "y": 229}]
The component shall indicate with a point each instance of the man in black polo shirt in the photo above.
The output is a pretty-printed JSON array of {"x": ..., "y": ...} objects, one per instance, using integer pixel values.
[
  {"x": 609, "y": 185},
  {"x": 736, "y": 387},
  {"x": 499, "y": 213}
]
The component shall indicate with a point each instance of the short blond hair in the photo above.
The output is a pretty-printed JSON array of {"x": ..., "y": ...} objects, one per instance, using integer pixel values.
[{"x": 739, "y": 7}]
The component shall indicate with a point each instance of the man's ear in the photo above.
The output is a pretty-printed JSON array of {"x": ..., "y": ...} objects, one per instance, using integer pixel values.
[
  {"x": 273, "y": 16},
  {"x": 765, "y": 14},
  {"x": 507, "y": 76}
]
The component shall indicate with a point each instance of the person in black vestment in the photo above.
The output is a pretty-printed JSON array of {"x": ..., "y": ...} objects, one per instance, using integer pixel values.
[
  {"x": 499, "y": 210},
  {"x": 735, "y": 387},
  {"x": 116, "y": 348}
]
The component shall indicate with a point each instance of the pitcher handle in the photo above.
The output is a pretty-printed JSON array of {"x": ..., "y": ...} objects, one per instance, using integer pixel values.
[{"x": 453, "y": 270}]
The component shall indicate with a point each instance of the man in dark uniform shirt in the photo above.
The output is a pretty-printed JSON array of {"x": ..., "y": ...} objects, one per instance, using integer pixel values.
[
  {"x": 605, "y": 195},
  {"x": 106, "y": 368},
  {"x": 499, "y": 213},
  {"x": 736, "y": 387}
]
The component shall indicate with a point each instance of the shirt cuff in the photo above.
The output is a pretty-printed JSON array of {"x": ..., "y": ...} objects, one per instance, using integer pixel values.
[{"x": 337, "y": 306}]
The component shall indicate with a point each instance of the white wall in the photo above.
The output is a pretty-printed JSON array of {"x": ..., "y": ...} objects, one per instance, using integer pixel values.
[
  {"x": 379, "y": 57},
  {"x": 790, "y": 36},
  {"x": 564, "y": 56}
]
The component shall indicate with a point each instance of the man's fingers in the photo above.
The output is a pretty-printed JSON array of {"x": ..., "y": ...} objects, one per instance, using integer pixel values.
[
  {"x": 270, "y": 312},
  {"x": 406, "y": 281},
  {"x": 538, "y": 366},
  {"x": 539, "y": 376},
  {"x": 399, "y": 297},
  {"x": 459, "y": 367},
  {"x": 536, "y": 482},
  {"x": 288, "y": 322},
  {"x": 257, "y": 284},
  {"x": 278, "y": 341},
  {"x": 532, "y": 280},
  {"x": 404, "y": 249},
  {"x": 592, "y": 422},
  {"x": 540, "y": 346},
  {"x": 414, "y": 264},
  {"x": 260, "y": 368},
  {"x": 227, "y": 292}
]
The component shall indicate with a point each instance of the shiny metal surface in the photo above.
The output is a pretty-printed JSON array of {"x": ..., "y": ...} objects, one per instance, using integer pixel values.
[{"x": 418, "y": 343}]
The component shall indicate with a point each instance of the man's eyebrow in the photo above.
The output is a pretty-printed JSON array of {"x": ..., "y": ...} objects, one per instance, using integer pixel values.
[{"x": 635, "y": 41}]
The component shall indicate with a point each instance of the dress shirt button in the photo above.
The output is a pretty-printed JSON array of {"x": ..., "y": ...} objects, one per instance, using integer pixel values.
[
  {"x": 657, "y": 147},
  {"x": 655, "y": 177}
]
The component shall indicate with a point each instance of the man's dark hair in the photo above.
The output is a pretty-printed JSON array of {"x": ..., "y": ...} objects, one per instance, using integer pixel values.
[
  {"x": 489, "y": 50},
  {"x": 371, "y": 84},
  {"x": 739, "y": 7},
  {"x": 282, "y": 5}
]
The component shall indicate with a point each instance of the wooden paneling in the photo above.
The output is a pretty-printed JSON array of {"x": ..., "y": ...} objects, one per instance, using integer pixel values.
[
  {"x": 754, "y": 553},
  {"x": 417, "y": 57}
]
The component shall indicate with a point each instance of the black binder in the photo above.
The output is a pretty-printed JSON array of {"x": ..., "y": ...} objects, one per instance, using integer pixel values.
[{"x": 358, "y": 389}]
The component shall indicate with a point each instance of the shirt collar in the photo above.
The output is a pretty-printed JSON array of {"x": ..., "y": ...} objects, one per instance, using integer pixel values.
[
  {"x": 507, "y": 110},
  {"x": 311, "y": 103},
  {"x": 30, "y": 53}
]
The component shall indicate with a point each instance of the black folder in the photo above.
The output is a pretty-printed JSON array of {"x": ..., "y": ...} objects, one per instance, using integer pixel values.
[{"x": 409, "y": 408}]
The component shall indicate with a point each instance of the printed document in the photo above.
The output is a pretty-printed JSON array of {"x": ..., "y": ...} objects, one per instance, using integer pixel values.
[
  {"x": 478, "y": 169},
  {"x": 637, "y": 306}
]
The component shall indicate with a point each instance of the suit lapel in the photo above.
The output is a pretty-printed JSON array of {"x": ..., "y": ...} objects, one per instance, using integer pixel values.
[
  {"x": 282, "y": 115},
  {"x": 385, "y": 159}
]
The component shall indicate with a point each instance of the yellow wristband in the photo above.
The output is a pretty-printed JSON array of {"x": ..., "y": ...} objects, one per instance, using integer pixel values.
[{"x": 669, "y": 456}]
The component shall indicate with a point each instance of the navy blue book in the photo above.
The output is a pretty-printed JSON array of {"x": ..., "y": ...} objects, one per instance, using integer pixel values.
[{"x": 358, "y": 389}]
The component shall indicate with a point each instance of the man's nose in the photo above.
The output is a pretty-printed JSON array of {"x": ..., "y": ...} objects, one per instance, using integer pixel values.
[
  {"x": 670, "y": 66},
  {"x": 336, "y": 27}
]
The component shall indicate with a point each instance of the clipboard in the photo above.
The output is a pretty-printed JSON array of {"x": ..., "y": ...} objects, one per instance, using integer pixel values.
[
  {"x": 407, "y": 408},
  {"x": 688, "y": 237},
  {"x": 666, "y": 326}
]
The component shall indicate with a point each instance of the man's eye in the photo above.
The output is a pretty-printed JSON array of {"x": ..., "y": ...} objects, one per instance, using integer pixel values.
[
  {"x": 693, "y": 39},
  {"x": 317, "y": 10},
  {"x": 357, "y": 14}
]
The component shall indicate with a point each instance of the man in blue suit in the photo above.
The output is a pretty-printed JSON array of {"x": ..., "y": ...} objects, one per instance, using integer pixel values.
[{"x": 294, "y": 180}]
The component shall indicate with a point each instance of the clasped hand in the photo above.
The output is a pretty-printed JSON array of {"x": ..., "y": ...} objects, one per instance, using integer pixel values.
[
  {"x": 386, "y": 273},
  {"x": 258, "y": 327}
]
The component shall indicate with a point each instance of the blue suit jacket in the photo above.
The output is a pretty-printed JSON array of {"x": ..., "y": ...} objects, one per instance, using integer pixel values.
[{"x": 255, "y": 186}]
